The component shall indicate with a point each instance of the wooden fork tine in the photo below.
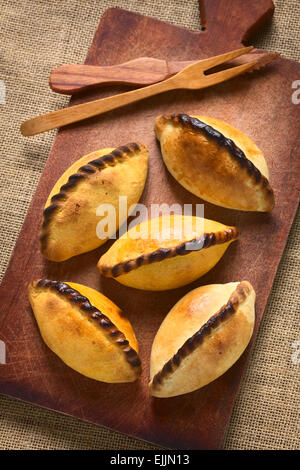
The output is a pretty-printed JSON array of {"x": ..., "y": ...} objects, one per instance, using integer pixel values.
[
  {"x": 223, "y": 75},
  {"x": 207, "y": 64}
]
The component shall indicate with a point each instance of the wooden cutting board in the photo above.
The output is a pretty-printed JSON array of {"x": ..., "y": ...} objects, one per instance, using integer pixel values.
[{"x": 260, "y": 105}]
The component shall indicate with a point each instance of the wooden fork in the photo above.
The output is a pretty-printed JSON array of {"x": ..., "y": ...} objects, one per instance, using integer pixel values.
[{"x": 191, "y": 78}]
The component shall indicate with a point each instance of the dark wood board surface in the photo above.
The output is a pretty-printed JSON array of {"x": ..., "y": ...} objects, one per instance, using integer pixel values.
[{"x": 260, "y": 105}]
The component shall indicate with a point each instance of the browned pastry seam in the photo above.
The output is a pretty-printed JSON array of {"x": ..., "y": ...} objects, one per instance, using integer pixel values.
[
  {"x": 237, "y": 297},
  {"x": 195, "y": 125},
  {"x": 111, "y": 159},
  {"x": 205, "y": 241},
  {"x": 95, "y": 315}
]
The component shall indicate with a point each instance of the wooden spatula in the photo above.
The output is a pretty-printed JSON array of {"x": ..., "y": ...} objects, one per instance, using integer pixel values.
[
  {"x": 192, "y": 77},
  {"x": 74, "y": 78}
]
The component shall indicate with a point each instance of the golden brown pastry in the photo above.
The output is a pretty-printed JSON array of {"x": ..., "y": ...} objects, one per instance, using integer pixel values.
[
  {"x": 158, "y": 254},
  {"x": 70, "y": 220},
  {"x": 201, "y": 338},
  {"x": 86, "y": 330},
  {"x": 215, "y": 161}
]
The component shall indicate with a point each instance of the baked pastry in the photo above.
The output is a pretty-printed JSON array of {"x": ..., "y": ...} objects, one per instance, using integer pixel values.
[
  {"x": 166, "y": 252},
  {"x": 86, "y": 330},
  {"x": 201, "y": 338},
  {"x": 215, "y": 161},
  {"x": 70, "y": 217}
]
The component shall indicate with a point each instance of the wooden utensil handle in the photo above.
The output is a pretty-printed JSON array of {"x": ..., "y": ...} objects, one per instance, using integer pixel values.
[
  {"x": 74, "y": 78},
  {"x": 65, "y": 116}
]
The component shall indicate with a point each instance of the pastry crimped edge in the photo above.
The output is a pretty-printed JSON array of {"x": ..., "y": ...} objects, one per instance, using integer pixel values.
[
  {"x": 100, "y": 319},
  {"x": 196, "y": 125},
  {"x": 205, "y": 241},
  {"x": 98, "y": 164},
  {"x": 237, "y": 297}
]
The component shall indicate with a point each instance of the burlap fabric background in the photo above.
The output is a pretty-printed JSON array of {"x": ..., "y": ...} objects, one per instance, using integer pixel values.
[{"x": 38, "y": 35}]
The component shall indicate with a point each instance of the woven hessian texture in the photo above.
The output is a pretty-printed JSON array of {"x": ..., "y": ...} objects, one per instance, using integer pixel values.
[{"x": 37, "y": 36}]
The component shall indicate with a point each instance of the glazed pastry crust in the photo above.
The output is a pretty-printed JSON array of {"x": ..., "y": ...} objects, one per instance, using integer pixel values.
[
  {"x": 201, "y": 338},
  {"x": 215, "y": 161},
  {"x": 70, "y": 216},
  {"x": 152, "y": 257},
  {"x": 86, "y": 330}
]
